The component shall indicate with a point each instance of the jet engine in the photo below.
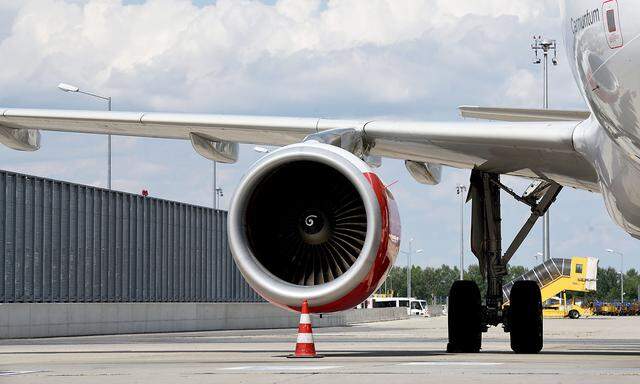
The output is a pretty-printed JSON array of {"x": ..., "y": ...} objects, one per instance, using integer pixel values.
[{"x": 311, "y": 221}]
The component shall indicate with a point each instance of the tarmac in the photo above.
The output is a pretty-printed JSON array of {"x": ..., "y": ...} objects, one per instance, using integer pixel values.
[{"x": 592, "y": 350}]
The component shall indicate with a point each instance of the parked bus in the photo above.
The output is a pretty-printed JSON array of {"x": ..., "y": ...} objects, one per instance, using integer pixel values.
[{"x": 414, "y": 306}]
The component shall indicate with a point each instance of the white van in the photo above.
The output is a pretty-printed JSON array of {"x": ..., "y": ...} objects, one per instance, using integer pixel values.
[{"x": 414, "y": 306}]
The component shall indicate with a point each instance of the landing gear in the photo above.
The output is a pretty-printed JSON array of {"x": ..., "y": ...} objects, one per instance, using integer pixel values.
[
  {"x": 573, "y": 314},
  {"x": 525, "y": 311},
  {"x": 464, "y": 317},
  {"x": 523, "y": 318}
]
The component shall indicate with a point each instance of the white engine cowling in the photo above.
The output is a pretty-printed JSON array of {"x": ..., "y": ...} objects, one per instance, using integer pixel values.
[{"x": 312, "y": 222}]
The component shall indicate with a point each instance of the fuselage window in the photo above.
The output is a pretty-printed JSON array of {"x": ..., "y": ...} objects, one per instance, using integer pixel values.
[{"x": 611, "y": 20}]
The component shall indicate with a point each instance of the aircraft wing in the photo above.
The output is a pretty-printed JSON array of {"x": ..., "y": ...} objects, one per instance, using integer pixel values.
[
  {"x": 531, "y": 149},
  {"x": 522, "y": 114}
]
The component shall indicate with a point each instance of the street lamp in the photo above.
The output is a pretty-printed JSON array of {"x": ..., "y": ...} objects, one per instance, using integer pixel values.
[
  {"x": 409, "y": 264},
  {"x": 72, "y": 88},
  {"x": 621, "y": 272},
  {"x": 460, "y": 190}
]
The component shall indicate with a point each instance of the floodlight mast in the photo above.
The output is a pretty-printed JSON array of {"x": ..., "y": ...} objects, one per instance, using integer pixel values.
[{"x": 546, "y": 46}]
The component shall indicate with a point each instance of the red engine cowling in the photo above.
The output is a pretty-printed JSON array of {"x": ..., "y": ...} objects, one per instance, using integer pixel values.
[{"x": 312, "y": 222}]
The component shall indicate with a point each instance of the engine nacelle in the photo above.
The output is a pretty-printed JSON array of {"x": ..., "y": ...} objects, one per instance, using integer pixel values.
[{"x": 312, "y": 222}]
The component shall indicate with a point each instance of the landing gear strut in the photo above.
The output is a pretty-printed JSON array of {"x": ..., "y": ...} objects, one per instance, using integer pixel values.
[{"x": 523, "y": 317}]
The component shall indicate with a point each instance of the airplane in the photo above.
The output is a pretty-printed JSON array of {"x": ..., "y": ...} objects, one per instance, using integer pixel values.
[{"x": 312, "y": 220}]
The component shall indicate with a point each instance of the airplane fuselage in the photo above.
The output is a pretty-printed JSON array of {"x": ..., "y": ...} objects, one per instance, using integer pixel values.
[{"x": 602, "y": 48}]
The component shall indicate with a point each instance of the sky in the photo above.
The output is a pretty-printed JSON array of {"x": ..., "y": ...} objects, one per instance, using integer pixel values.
[{"x": 362, "y": 59}]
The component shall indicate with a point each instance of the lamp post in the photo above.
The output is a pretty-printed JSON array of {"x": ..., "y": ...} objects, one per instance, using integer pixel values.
[
  {"x": 621, "y": 272},
  {"x": 460, "y": 190},
  {"x": 215, "y": 185},
  {"x": 409, "y": 264},
  {"x": 546, "y": 46},
  {"x": 72, "y": 88}
]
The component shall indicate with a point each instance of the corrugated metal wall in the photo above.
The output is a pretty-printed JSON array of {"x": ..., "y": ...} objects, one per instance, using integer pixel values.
[{"x": 64, "y": 242}]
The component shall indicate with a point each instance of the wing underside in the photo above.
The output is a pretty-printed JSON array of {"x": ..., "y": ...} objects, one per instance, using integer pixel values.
[{"x": 530, "y": 149}]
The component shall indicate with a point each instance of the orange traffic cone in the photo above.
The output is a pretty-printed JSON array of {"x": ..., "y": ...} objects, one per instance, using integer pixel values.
[{"x": 305, "y": 346}]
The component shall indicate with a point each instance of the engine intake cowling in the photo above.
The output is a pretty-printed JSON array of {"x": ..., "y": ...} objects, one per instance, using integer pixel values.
[{"x": 312, "y": 222}]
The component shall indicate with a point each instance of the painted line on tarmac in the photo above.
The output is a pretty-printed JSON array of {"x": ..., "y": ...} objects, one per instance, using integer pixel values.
[
  {"x": 14, "y": 373},
  {"x": 258, "y": 368},
  {"x": 452, "y": 363},
  {"x": 282, "y": 368}
]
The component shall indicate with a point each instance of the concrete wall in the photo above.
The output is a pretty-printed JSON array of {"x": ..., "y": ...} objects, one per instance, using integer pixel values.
[
  {"x": 371, "y": 315},
  {"x": 436, "y": 310},
  {"x": 75, "y": 319}
]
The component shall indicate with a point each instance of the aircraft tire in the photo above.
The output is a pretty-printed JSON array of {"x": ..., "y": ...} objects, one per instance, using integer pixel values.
[
  {"x": 526, "y": 317},
  {"x": 464, "y": 318}
]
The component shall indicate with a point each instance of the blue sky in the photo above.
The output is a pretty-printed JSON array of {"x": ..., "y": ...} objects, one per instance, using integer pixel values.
[{"x": 362, "y": 59}]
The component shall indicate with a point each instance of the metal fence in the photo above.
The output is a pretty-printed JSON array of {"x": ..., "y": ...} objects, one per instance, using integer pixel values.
[{"x": 64, "y": 242}]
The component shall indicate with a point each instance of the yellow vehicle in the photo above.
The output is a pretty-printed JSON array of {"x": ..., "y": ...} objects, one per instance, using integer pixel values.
[
  {"x": 559, "y": 307},
  {"x": 556, "y": 277},
  {"x": 608, "y": 309}
]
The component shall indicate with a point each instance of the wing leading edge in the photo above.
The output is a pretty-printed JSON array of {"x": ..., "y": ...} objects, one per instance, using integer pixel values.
[{"x": 530, "y": 149}]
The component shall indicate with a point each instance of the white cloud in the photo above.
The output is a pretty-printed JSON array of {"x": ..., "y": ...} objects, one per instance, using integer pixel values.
[
  {"x": 339, "y": 57},
  {"x": 523, "y": 87},
  {"x": 525, "y": 10}
]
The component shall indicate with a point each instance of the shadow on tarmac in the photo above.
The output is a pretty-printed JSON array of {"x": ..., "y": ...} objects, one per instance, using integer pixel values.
[
  {"x": 377, "y": 353},
  {"x": 414, "y": 353},
  {"x": 334, "y": 353},
  {"x": 591, "y": 353}
]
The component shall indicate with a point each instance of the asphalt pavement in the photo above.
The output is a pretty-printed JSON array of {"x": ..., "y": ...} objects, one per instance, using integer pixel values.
[{"x": 593, "y": 350}]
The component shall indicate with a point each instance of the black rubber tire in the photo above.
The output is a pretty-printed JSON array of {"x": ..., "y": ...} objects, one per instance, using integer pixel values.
[
  {"x": 464, "y": 318},
  {"x": 526, "y": 317},
  {"x": 573, "y": 314}
]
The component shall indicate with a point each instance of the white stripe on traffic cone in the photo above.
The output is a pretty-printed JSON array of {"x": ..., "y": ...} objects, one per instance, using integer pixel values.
[{"x": 305, "y": 347}]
